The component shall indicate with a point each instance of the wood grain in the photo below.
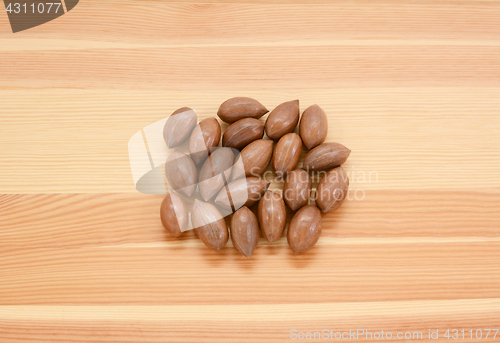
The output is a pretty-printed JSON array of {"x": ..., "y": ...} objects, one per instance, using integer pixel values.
[
  {"x": 86, "y": 220},
  {"x": 411, "y": 87},
  {"x": 111, "y": 249},
  {"x": 439, "y": 138},
  {"x": 156, "y": 324}
]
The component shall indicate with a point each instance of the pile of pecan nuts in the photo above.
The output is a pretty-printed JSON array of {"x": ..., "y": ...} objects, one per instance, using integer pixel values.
[{"x": 228, "y": 179}]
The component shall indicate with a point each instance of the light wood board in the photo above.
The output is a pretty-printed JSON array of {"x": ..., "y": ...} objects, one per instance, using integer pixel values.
[{"x": 411, "y": 87}]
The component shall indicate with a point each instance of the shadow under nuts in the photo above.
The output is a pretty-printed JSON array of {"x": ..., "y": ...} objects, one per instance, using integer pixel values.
[
  {"x": 283, "y": 119},
  {"x": 332, "y": 190},
  {"x": 304, "y": 229},
  {"x": 242, "y": 192},
  {"x": 313, "y": 126},
  {"x": 209, "y": 225},
  {"x": 178, "y": 126},
  {"x": 253, "y": 159},
  {"x": 173, "y": 214},
  {"x": 238, "y": 108},
  {"x": 326, "y": 156},
  {"x": 272, "y": 215},
  {"x": 243, "y": 132},
  {"x": 287, "y": 154},
  {"x": 181, "y": 173},
  {"x": 244, "y": 231},
  {"x": 205, "y": 136},
  {"x": 297, "y": 189},
  {"x": 215, "y": 172}
]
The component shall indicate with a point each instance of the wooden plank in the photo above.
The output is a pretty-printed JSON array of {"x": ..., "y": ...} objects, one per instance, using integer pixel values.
[
  {"x": 192, "y": 275},
  {"x": 255, "y": 22},
  {"x": 111, "y": 249},
  {"x": 255, "y": 67},
  {"x": 75, "y": 141},
  {"x": 270, "y": 323},
  {"x": 381, "y": 217}
]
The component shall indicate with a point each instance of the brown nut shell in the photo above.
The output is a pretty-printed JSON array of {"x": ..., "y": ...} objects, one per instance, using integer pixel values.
[
  {"x": 253, "y": 159},
  {"x": 242, "y": 192},
  {"x": 209, "y": 225},
  {"x": 304, "y": 229},
  {"x": 326, "y": 156},
  {"x": 179, "y": 126},
  {"x": 313, "y": 126},
  {"x": 287, "y": 154},
  {"x": 283, "y": 119},
  {"x": 173, "y": 214},
  {"x": 243, "y": 132},
  {"x": 215, "y": 172},
  {"x": 332, "y": 190},
  {"x": 205, "y": 136},
  {"x": 238, "y": 108},
  {"x": 181, "y": 173},
  {"x": 272, "y": 215},
  {"x": 297, "y": 189},
  {"x": 244, "y": 231}
]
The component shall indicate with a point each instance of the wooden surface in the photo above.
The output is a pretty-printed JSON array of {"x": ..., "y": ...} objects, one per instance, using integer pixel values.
[{"x": 412, "y": 87}]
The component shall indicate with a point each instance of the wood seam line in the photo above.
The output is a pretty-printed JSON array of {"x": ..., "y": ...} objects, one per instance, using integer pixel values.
[
  {"x": 147, "y": 149},
  {"x": 164, "y": 178},
  {"x": 229, "y": 197},
  {"x": 64, "y": 6},
  {"x": 252, "y": 312},
  {"x": 323, "y": 241}
]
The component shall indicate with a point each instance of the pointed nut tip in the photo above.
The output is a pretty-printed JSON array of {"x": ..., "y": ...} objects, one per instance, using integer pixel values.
[
  {"x": 247, "y": 254},
  {"x": 272, "y": 239}
]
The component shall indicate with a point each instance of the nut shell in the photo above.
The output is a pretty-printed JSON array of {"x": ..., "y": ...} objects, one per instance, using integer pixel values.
[
  {"x": 272, "y": 215},
  {"x": 242, "y": 133},
  {"x": 215, "y": 172},
  {"x": 297, "y": 189},
  {"x": 326, "y": 156},
  {"x": 242, "y": 192},
  {"x": 209, "y": 225},
  {"x": 181, "y": 173},
  {"x": 283, "y": 119},
  {"x": 179, "y": 126},
  {"x": 205, "y": 137},
  {"x": 332, "y": 190},
  {"x": 173, "y": 214},
  {"x": 238, "y": 108},
  {"x": 313, "y": 126},
  {"x": 287, "y": 154},
  {"x": 244, "y": 231},
  {"x": 253, "y": 159},
  {"x": 304, "y": 229}
]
